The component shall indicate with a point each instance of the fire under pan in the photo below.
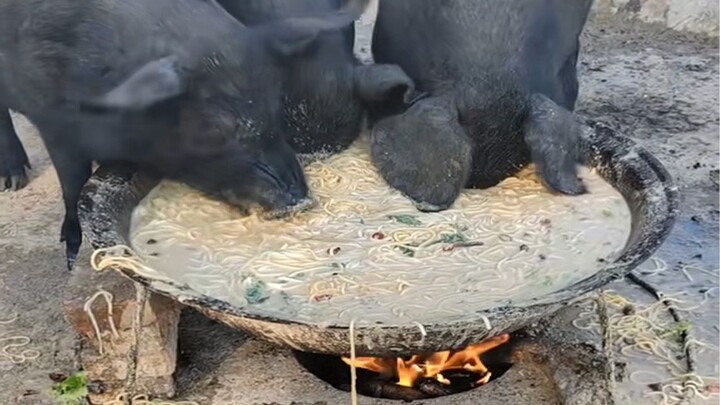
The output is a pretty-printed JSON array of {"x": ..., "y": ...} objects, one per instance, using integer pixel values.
[{"x": 551, "y": 363}]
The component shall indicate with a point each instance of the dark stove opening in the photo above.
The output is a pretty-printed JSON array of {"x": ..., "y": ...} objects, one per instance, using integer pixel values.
[{"x": 334, "y": 371}]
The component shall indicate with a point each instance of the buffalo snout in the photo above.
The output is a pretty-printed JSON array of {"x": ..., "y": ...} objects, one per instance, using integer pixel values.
[{"x": 272, "y": 179}]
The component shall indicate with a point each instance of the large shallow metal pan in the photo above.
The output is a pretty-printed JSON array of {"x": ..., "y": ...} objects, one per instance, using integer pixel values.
[{"x": 113, "y": 192}]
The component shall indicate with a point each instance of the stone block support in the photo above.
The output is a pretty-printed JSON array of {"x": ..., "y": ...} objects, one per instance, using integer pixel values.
[{"x": 158, "y": 344}]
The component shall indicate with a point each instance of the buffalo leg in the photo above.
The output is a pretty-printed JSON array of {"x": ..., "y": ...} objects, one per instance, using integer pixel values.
[
  {"x": 552, "y": 135},
  {"x": 13, "y": 159},
  {"x": 73, "y": 172},
  {"x": 569, "y": 81}
]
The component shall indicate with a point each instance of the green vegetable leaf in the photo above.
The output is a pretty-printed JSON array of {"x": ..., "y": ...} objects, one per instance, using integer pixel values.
[
  {"x": 406, "y": 251},
  {"x": 71, "y": 391},
  {"x": 256, "y": 291},
  {"x": 410, "y": 220},
  {"x": 453, "y": 238},
  {"x": 676, "y": 332}
]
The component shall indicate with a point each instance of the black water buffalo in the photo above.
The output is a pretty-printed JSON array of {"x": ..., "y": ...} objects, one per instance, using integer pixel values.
[
  {"x": 179, "y": 87},
  {"x": 500, "y": 78},
  {"x": 326, "y": 91}
]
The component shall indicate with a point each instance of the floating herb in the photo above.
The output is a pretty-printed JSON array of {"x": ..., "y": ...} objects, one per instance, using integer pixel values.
[
  {"x": 456, "y": 240},
  {"x": 410, "y": 220},
  {"x": 453, "y": 238},
  {"x": 71, "y": 391},
  {"x": 462, "y": 245},
  {"x": 548, "y": 281},
  {"x": 676, "y": 332},
  {"x": 256, "y": 291},
  {"x": 607, "y": 213},
  {"x": 406, "y": 251},
  {"x": 457, "y": 237}
]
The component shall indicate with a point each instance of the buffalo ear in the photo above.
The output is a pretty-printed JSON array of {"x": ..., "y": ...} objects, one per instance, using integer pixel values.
[
  {"x": 385, "y": 84},
  {"x": 155, "y": 82}
]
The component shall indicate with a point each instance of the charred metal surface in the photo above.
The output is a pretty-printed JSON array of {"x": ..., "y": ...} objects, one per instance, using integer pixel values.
[{"x": 112, "y": 193}]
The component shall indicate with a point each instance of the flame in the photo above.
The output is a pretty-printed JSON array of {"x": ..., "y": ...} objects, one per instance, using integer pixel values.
[{"x": 409, "y": 371}]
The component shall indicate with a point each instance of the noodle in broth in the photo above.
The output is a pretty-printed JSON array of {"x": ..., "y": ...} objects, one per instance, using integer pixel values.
[{"x": 365, "y": 252}]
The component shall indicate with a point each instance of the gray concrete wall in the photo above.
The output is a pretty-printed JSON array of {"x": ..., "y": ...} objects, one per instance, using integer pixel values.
[{"x": 684, "y": 15}]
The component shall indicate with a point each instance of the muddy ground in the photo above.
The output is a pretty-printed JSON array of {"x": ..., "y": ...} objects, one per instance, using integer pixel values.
[{"x": 657, "y": 86}]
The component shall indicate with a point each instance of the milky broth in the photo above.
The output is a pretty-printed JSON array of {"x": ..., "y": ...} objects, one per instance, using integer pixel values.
[{"x": 366, "y": 253}]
